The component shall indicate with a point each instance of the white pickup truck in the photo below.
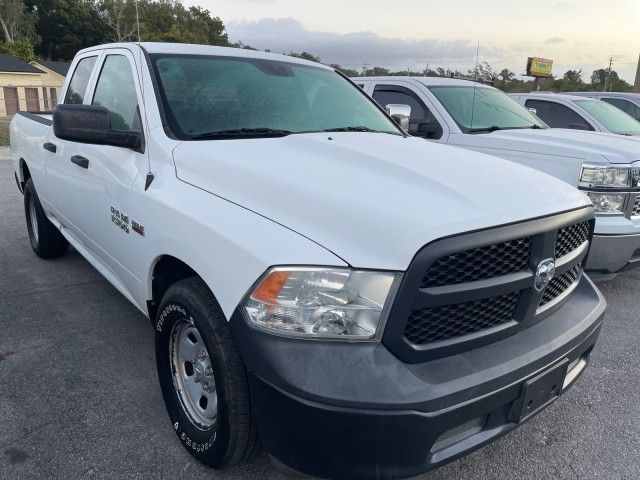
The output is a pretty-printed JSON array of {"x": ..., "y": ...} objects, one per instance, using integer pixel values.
[
  {"x": 579, "y": 113},
  {"x": 373, "y": 304},
  {"x": 482, "y": 118}
]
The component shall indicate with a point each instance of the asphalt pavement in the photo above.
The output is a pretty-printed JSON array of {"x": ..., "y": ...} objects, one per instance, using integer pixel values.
[{"x": 79, "y": 395}]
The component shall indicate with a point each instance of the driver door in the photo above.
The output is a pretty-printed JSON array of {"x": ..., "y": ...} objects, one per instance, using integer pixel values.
[{"x": 103, "y": 175}]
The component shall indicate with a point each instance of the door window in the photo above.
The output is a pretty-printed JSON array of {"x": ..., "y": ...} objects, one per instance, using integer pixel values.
[
  {"x": 80, "y": 80},
  {"x": 422, "y": 123},
  {"x": 626, "y": 106},
  {"x": 116, "y": 92},
  {"x": 558, "y": 116}
]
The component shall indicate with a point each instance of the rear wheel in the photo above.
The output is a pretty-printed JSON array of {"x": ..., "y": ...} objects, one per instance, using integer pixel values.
[
  {"x": 46, "y": 240},
  {"x": 202, "y": 377}
]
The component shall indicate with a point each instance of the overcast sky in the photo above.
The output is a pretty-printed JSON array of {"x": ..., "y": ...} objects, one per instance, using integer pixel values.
[{"x": 411, "y": 33}]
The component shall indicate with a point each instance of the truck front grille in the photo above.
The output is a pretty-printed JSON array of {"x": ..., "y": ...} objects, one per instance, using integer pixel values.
[
  {"x": 558, "y": 285},
  {"x": 435, "y": 324},
  {"x": 467, "y": 291},
  {"x": 635, "y": 210},
  {"x": 479, "y": 263},
  {"x": 571, "y": 237}
]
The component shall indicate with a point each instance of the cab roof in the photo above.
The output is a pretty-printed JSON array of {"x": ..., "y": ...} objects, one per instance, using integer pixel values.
[{"x": 195, "y": 49}]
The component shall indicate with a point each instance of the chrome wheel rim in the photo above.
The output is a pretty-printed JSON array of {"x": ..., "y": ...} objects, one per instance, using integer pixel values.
[
  {"x": 33, "y": 219},
  {"x": 193, "y": 375}
]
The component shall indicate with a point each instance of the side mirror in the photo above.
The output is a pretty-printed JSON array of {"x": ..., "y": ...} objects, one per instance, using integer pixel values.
[
  {"x": 533, "y": 110},
  {"x": 400, "y": 113},
  {"x": 579, "y": 126},
  {"x": 427, "y": 128},
  {"x": 91, "y": 124}
]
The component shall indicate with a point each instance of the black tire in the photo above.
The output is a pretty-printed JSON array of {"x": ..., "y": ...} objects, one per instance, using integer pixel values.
[
  {"x": 233, "y": 437},
  {"x": 46, "y": 240}
]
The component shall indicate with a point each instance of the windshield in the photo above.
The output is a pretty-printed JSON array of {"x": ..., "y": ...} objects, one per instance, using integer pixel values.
[
  {"x": 612, "y": 118},
  {"x": 490, "y": 110},
  {"x": 215, "y": 97}
]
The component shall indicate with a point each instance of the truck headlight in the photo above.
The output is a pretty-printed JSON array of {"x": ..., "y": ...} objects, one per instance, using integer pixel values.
[
  {"x": 321, "y": 302},
  {"x": 605, "y": 176},
  {"x": 606, "y": 202}
]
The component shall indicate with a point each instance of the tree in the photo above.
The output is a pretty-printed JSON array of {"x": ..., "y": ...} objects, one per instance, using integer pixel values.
[
  {"x": 349, "y": 72},
  {"x": 16, "y": 21},
  {"x": 306, "y": 56},
  {"x": 377, "y": 72},
  {"x": 614, "y": 83},
  {"x": 66, "y": 26},
  {"x": 482, "y": 70},
  {"x": 571, "y": 81},
  {"x": 120, "y": 17},
  {"x": 21, "y": 49}
]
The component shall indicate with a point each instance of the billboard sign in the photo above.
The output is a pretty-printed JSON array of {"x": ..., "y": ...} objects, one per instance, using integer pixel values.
[{"x": 539, "y": 67}]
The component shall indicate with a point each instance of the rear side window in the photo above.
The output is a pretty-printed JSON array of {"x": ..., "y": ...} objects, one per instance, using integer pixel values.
[
  {"x": 116, "y": 92},
  {"x": 626, "y": 106},
  {"x": 80, "y": 80},
  {"x": 558, "y": 116}
]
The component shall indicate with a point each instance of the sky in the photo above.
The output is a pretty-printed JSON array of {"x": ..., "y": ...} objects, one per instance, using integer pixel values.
[{"x": 576, "y": 34}]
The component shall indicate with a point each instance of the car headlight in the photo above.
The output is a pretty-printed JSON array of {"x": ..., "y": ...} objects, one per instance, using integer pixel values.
[
  {"x": 321, "y": 302},
  {"x": 605, "y": 176},
  {"x": 606, "y": 202}
]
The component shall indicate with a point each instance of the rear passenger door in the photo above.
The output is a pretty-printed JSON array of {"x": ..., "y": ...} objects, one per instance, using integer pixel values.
[
  {"x": 422, "y": 122},
  {"x": 102, "y": 183},
  {"x": 557, "y": 115},
  {"x": 58, "y": 152}
]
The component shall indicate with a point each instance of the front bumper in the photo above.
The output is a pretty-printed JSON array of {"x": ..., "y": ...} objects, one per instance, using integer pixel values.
[
  {"x": 614, "y": 253},
  {"x": 353, "y": 410}
]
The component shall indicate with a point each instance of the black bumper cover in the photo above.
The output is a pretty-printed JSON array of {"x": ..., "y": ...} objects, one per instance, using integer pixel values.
[{"x": 353, "y": 410}]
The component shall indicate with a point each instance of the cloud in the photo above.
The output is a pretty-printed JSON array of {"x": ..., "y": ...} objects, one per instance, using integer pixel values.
[
  {"x": 554, "y": 40},
  {"x": 286, "y": 35}
]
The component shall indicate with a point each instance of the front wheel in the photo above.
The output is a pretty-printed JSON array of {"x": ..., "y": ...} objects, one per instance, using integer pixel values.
[
  {"x": 202, "y": 377},
  {"x": 46, "y": 240}
]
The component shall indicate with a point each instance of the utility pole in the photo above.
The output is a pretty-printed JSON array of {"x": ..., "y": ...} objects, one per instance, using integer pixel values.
[
  {"x": 606, "y": 80},
  {"x": 636, "y": 87},
  {"x": 365, "y": 67}
]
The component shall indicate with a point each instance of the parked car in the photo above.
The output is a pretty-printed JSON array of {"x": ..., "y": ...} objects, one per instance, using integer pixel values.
[
  {"x": 581, "y": 113},
  {"x": 481, "y": 118},
  {"x": 626, "y": 101},
  {"x": 308, "y": 276}
]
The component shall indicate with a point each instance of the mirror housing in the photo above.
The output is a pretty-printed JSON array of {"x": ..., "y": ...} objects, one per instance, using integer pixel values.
[
  {"x": 400, "y": 113},
  {"x": 579, "y": 126},
  {"x": 92, "y": 124},
  {"x": 427, "y": 128}
]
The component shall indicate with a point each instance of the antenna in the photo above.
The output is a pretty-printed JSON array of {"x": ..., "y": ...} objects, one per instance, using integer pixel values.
[
  {"x": 150, "y": 177},
  {"x": 475, "y": 83}
]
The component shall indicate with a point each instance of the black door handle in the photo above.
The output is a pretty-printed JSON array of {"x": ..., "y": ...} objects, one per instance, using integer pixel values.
[
  {"x": 80, "y": 161},
  {"x": 50, "y": 147}
]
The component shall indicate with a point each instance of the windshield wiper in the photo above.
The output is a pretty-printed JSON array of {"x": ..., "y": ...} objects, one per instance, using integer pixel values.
[
  {"x": 242, "y": 132},
  {"x": 492, "y": 128},
  {"x": 352, "y": 129}
]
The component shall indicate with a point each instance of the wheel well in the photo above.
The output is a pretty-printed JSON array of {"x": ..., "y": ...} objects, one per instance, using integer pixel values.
[{"x": 167, "y": 271}]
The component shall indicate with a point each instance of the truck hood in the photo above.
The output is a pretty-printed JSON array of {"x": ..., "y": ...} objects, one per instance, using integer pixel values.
[
  {"x": 372, "y": 199},
  {"x": 591, "y": 146}
]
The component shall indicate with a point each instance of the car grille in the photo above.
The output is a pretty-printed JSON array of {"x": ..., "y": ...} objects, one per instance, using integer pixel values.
[
  {"x": 571, "y": 237},
  {"x": 462, "y": 292},
  {"x": 450, "y": 321},
  {"x": 479, "y": 263},
  {"x": 635, "y": 210},
  {"x": 558, "y": 285}
]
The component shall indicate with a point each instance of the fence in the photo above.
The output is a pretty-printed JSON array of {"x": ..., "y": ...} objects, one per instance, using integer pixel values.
[{"x": 16, "y": 99}]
